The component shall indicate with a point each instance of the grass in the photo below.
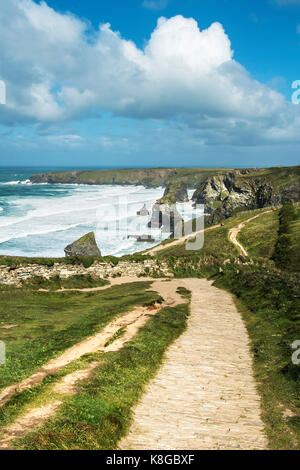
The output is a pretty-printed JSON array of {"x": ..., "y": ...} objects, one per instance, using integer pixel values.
[
  {"x": 100, "y": 414},
  {"x": 295, "y": 235},
  {"x": 47, "y": 323},
  {"x": 259, "y": 236},
  {"x": 118, "y": 334},
  {"x": 153, "y": 177},
  {"x": 85, "y": 261},
  {"x": 269, "y": 303},
  {"x": 72, "y": 282},
  {"x": 216, "y": 242}
]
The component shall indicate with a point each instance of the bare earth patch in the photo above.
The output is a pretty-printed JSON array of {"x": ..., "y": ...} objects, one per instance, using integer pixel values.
[
  {"x": 133, "y": 321},
  {"x": 37, "y": 416}
]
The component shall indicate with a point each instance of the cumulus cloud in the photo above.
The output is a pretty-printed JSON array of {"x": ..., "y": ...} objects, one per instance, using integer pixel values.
[{"x": 57, "y": 69}]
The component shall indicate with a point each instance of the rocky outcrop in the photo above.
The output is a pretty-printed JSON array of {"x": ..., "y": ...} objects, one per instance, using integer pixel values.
[
  {"x": 144, "y": 211},
  {"x": 175, "y": 192},
  {"x": 223, "y": 195},
  {"x": 166, "y": 217},
  {"x": 85, "y": 246},
  {"x": 99, "y": 269},
  {"x": 143, "y": 238}
]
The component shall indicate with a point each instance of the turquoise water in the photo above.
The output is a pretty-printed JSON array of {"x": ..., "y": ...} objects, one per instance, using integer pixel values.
[{"x": 42, "y": 219}]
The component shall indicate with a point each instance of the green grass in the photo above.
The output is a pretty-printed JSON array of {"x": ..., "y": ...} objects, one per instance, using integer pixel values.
[
  {"x": 47, "y": 323},
  {"x": 259, "y": 236},
  {"x": 100, "y": 414},
  {"x": 85, "y": 261},
  {"x": 118, "y": 334},
  {"x": 269, "y": 303},
  {"x": 72, "y": 282},
  {"x": 286, "y": 255},
  {"x": 278, "y": 177},
  {"x": 216, "y": 242},
  {"x": 146, "y": 176},
  {"x": 295, "y": 235}
]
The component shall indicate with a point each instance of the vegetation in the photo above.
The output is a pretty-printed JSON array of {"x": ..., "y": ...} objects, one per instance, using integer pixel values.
[
  {"x": 269, "y": 302},
  {"x": 73, "y": 282},
  {"x": 216, "y": 242},
  {"x": 101, "y": 413},
  {"x": 277, "y": 177},
  {"x": 43, "y": 324},
  {"x": 85, "y": 261},
  {"x": 285, "y": 255},
  {"x": 259, "y": 236},
  {"x": 151, "y": 177}
]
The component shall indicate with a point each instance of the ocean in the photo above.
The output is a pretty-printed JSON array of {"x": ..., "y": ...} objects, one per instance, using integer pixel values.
[{"x": 42, "y": 219}]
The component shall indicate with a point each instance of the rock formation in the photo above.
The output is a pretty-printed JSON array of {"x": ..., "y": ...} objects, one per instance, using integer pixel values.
[
  {"x": 166, "y": 217},
  {"x": 223, "y": 195},
  {"x": 175, "y": 192},
  {"x": 143, "y": 212},
  {"x": 143, "y": 238},
  {"x": 85, "y": 246}
]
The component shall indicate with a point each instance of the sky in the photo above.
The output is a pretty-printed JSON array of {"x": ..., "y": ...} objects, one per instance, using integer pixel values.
[{"x": 150, "y": 83}]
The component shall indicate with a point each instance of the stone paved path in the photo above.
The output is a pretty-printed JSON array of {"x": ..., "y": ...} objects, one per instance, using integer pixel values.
[{"x": 204, "y": 396}]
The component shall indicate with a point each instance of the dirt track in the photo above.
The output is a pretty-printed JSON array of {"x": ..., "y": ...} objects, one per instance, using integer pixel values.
[
  {"x": 233, "y": 233},
  {"x": 178, "y": 241}
]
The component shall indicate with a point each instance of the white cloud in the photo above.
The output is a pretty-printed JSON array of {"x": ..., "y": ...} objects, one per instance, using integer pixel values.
[
  {"x": 155, "y": 4},
  {"x": 64, "y": 71}
]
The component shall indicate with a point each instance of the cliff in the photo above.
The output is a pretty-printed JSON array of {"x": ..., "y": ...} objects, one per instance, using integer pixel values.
[
  {"x": 224, "y": 194},
  {"x": 174, "y": 192},
  {"x": 148, "y": 177}
]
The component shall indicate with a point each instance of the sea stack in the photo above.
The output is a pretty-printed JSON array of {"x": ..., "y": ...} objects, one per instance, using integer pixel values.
[
  {"x": 84, "y": 246},
  {"x": 166, "y": 217},
  {"x": 144, "y": 211}
]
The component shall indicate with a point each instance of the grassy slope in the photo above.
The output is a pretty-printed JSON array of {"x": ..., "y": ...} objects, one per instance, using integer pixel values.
[
  {"x": 216, "y": 242},
  {"x": 48, "y": 323},
  {"x": 269, "y": 303},
  {"x": 100, "y": 414},
  {"x": 259, "y": 236},
  {"x": 278, "y": 177},
  {"x": 295, "y": 233}
]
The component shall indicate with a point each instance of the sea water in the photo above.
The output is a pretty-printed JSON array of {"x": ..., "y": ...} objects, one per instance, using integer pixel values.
[{"x": 42, "y": 219}]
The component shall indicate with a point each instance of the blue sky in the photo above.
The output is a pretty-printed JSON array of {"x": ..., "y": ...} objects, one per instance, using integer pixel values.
[{"x": 207, "y": 85}]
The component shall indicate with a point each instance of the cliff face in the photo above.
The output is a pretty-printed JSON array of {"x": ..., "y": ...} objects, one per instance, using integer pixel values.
[
  {"x": 223, "y": 194},
  {"x": 174, "y": 192}
]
